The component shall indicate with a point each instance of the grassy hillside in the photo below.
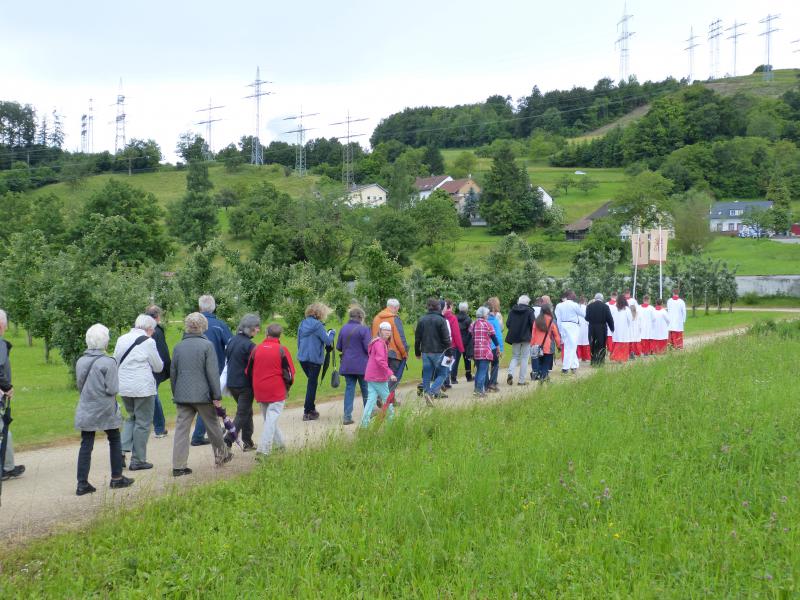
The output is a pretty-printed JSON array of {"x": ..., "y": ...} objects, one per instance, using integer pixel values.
[
  {"x": 169, "y": 185},
  {"x": 783, "y": 80},
  {"x": 627, "y": 484}
]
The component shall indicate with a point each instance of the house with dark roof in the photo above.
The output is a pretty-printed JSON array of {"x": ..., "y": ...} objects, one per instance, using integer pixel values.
[
  {"x": 577, "y": 230},
  {"x": 426, "y": 185},
  {"x": 728, "y": 217}
]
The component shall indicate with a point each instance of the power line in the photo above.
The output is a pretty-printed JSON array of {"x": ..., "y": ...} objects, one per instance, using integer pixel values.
[
  {"x": 692, "y": 45},
  {"x": 622, "y": 43},
  {"x": 767, "y": 33},
  {"x": 714, "y": 33},
  {"x": 119, "y": 132},
  {"x": 300, "y": 152},
  {"x": 208, "y": 121},
  {"x": 735, "y": 36},
  {"x": 256, "y": 154},
  {"x": 347, "y": 151}
]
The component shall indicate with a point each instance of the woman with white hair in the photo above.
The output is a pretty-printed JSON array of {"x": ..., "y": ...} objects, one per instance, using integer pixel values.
[
  {"x": 137, "y": 359},
  {"x": 483, "y": 336},
  {"x": 96, "y": 375},
  {"x": 194, "y": 377}
]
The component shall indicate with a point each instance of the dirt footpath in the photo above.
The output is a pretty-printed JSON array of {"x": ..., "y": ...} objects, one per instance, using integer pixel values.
[{"x": 43, "y": 500}]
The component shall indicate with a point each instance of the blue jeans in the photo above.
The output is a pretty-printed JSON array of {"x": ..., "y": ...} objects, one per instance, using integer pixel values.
[
  {"x": 432, "y": 369},
  {"x": 481, "y": 375},
  {"x": 350, "y": 382},
  {"x": 543, "y": 366},
  {"x": 495, "y": 368},
  {"x": 376, "y": 389},
  {"x": 159, "y": 422}
]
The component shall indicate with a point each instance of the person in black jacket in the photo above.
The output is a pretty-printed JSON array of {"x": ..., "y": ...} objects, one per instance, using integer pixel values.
[
  {"x": 598, "y": 315},
  {"x": 240, "y": 378},
  {"x": 519, "y": 325},
  {"x": 431, "y": 341},
  {"x": 464, "y": 323},
  {"x": 159, "y": 422}
]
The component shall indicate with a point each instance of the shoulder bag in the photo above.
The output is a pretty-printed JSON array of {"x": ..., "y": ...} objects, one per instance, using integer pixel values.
[
  {"x": 286, "y": 372},
  {"x": 537, "y": 350},
  {"x": 139, "y": 340}
]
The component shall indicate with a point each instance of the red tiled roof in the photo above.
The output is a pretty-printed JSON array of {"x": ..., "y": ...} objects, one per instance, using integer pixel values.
[
  {"x": 426, "y": 184},
  {"x": 452, "y": 187}
]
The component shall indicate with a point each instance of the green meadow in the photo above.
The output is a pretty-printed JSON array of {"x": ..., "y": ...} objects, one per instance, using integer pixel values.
[{"x": 672, "y": 479}]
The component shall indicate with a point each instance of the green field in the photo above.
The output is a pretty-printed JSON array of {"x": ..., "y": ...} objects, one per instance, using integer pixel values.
[
  {"x": 47, "y": 388},
  {"x": 657, "y": 480}
]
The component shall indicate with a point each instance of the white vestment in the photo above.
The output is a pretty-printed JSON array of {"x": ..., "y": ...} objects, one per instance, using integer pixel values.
[{"x": 677, "y": 314}]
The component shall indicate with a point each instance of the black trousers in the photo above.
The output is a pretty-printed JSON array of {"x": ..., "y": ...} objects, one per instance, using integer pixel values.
[
  {"x": 85, "y": 454},
  {"x": 244, "y": 413},
  {"x": 312, "y": 373},
  {"x": 597, "y": 344}
]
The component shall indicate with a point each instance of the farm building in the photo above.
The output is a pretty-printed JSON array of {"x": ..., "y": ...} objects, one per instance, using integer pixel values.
[
  {"x": 728, "y": 217},
  {"x": 577, "y": 230}
]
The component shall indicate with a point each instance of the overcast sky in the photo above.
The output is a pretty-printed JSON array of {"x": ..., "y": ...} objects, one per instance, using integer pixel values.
[{"x": 173, "y": 57}]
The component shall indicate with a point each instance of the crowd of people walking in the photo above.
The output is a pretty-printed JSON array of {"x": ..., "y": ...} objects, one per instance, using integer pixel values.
[{"x": 211, "y": 361}]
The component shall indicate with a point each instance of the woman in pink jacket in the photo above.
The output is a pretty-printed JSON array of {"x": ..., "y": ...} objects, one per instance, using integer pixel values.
[{"x": 378, "y": 374}]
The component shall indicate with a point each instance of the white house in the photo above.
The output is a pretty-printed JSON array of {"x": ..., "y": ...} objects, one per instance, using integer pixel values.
[
  {"x": 426, "y": 185},
  {"x": 727, "y": 217},
  {"x": 370, "y": 194},
  {"x": 547, "y": 199}
]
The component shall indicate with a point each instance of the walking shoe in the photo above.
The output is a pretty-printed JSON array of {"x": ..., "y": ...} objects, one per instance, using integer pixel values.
[
  {"x": 523, "y": 383},
  {"x": 419, "y": 390},
  {"x": 564, "y": 371},
  {"x": 15, "y": 472},
  {"x": 454, "y": 381},
  {"x": 140, "y": 466},
  {"x": 180, "y": 472},
  {"x": 441, "y": 395},
  {"x": 163, "y": 434},
  {"x": 469, "y": 377},
  {"x": 122, "y": 482},
  {"x": 379, "y": 403},
  {"x": 510, "y": 379},
  {"x": 248, "y": 447},
  {"x": 312, "y": 416},
  {"x": 226, "y": 459},
  {"x": 348, "y": 422},
  {"x": 203, "y": 442},
  {"x": 85, "y": 488},
  {"x": 428, "y": 399},
  {"x": 261, "y": 456},
  {"x": 479, "y": 394}
]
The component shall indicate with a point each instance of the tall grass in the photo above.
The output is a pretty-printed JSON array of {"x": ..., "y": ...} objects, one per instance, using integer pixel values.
[{"x": 676, "y": 479}]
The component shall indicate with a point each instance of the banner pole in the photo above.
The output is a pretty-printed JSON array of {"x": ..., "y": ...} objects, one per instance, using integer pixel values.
[
  {"x": 635, "y": 242},
  {"x": 661, "y": 258}
]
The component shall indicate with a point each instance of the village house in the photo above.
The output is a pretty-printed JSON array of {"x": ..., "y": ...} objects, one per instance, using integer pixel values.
[
  {"x": 425, "y": 186},
  {"x": 459, "y": 189},
  {"x": 728, "y": 217},
  {"x": 370, "y": 195}
]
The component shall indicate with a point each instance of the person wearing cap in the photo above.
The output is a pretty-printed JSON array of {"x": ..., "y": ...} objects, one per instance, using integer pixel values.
[
  {"x": 519, "y": 325},
  {"x": 378, "y": 374},
  {"x": 598, "y": 315}
]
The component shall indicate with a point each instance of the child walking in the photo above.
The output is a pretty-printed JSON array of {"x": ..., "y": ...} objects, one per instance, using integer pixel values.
[{"x": 378, "y": 374}]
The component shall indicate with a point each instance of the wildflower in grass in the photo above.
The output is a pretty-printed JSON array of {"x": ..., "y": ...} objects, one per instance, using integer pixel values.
[
  {"x": 616, "y": 536},
  {"x": 783, "y": 500},
  {"x": 733, "y": 534},
  {"x": 725, "y": 448},
  {"x": 745, "y": 504}
]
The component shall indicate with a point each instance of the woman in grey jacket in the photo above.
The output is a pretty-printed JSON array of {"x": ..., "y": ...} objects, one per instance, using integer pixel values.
[
  {"x": 194, "y": 376},
  {"x": 98, "y": 409}
]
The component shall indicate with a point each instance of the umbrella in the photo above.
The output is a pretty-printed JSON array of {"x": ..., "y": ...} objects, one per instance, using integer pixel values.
[{"x": 327, "y": 362}]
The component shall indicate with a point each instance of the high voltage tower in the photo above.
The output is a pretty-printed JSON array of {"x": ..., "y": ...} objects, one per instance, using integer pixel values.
[
  {"x": 119, "y": 136},
  {"x": 622, "y": 43},
  {"x": 797, "y": 41},
  {"x": 690, "y": 48},
  {"x": 87, "y": 130},
  {"x": 767, "y": 33},
  {"x": 208, "y": 121},
  {"x": 255, "y": 156},
  {"x": 735, "y": 36},
  {"x": 300, "y": 152},
  {"x": 347, "y": 151},
  {"x": 714, "y": 33}
]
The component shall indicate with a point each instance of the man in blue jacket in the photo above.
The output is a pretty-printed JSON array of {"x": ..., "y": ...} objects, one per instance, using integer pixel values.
[{"x": 219, "y": 334}]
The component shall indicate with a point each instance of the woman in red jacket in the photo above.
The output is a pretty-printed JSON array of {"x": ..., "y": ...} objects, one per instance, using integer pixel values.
[{"x": 266, "y": 368}]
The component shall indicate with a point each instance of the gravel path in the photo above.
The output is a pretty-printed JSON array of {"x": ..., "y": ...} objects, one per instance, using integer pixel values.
[{"x": 43, "y": 500}]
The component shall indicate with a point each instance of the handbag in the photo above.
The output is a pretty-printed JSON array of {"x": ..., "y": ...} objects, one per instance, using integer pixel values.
[
  {"x": 335, "y": 377},
  {"x": 537, "y": 350},
  {"x": 286, "y": 372}
]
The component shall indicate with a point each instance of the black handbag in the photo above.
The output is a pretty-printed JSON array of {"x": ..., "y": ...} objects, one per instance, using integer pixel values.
[{"x": 286, "y": 372}]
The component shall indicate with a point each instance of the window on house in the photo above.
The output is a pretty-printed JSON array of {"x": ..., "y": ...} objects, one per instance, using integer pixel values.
[{"x": 736, "y": 212}]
